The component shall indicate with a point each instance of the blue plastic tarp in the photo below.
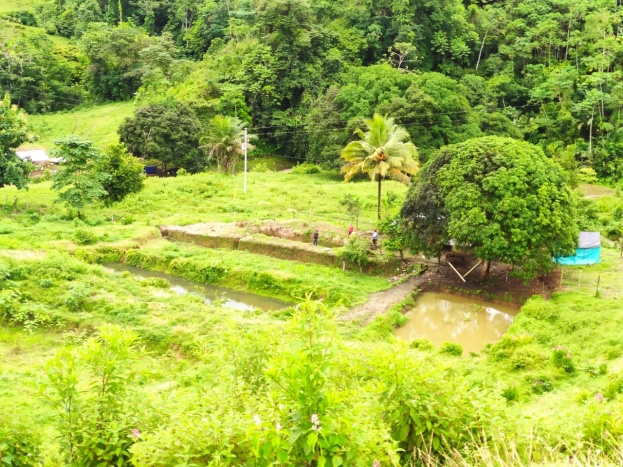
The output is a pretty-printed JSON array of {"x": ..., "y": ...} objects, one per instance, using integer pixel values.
[{"x": 582, "y": 256}]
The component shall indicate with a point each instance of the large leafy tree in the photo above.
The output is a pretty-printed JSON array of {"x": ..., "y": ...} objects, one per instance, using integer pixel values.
[
  {"x": 382, "y": 151},
  {"x": 167, "y": 132},
  {"x": 13, "y": 133},
  {"x": 223, "y": 142},
  {"x": 502, "y": 197},
  {"x": 78, "y": 181},
  {"x": 89, "y": 175}
]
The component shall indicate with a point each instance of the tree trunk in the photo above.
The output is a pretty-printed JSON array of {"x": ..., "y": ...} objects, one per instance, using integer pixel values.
[
  {"x": 482, "y": 46},
  {"x": 379, "y": 198},
  {"x": 484, "y": 270}
]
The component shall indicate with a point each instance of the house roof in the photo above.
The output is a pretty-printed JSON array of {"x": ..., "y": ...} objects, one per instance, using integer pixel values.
[{"x": 33, "y": 155}]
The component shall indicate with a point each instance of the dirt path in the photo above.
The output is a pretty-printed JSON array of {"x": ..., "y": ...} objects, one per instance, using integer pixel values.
[{"x": 380, "y": 302}]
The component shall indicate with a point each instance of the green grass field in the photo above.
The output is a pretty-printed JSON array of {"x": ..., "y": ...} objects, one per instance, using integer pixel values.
[
  {"x": 8, "y": 6},
  {"x": 99, "y": 124},
  {"x": 14, "y": 32}
]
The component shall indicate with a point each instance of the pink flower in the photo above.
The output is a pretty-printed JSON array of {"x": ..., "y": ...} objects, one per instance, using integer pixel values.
[
  {"x": 135, "y": 433},
  {"x": 376, "y": 463},
  {"x": 599, "y": 397}
]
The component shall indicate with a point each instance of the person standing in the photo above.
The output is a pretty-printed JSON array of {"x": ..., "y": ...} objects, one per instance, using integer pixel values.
[
  {"x": 351, "y": 229},
  {"x": 375, "y": 237},
  {"x": 315, "y": 237}
]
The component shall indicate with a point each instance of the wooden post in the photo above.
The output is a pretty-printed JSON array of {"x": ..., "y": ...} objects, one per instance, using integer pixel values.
[
  {"x": 562, "y": 271},
  {"x": 457, "y": 272},
  {"x": 467, "y": 273},
  {"x": 580, "y": 281},
  {"x": 598, "y": 279}
]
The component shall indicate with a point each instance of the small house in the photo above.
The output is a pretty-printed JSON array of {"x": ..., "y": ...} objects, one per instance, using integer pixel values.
[
  {"x": 38, "y": 157},
  {"x": 587, "y": 252}
]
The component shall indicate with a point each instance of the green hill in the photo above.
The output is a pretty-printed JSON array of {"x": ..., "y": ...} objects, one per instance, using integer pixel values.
[
  {"x": 99, "y": 123},
  {"x": 9, "y": 6}
]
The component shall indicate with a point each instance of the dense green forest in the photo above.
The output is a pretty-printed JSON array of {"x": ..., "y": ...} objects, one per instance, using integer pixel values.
[{"x": 304, "y": 74}]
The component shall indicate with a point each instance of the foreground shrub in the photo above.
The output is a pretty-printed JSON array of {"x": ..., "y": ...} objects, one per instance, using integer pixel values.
[
  {"x": 429, "y": 409},
  {"x": 96, "y": 425},
  {"x": 19, "y": 443}
]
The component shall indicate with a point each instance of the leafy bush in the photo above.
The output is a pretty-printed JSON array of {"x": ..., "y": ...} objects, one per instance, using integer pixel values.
[
  {"x": 261, "y": 167},
  {"x": 451, "y": 348},
  {"x": 84, "y": 237},
  {"x": 306, "y": 169},
  {"x": 510, "y": 394},
  {"x": 561, "y": 358},
  {"x": 96, "y": 425},
  {"x": 430, "y": 409},
  {"x": 158, "y": 282},
  {"x": 207, "y": 273},
  {"x": 355, "y": 251},
  {"x": 526, "y": 357},
  {"x": 541, "y": 385},
  {"x": 421, "y": 344},
  {"x": 76, "y": 297},
  {"x": 19, "y": 443}
]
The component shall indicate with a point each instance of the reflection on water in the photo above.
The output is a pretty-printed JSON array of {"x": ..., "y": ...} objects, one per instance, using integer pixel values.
[
  {"x": 441, "y": 317},
  {"x": 241, "y": 301}
]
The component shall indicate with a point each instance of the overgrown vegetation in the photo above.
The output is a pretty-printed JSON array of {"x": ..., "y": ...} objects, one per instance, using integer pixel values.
[{"x": 104, "y": 368}]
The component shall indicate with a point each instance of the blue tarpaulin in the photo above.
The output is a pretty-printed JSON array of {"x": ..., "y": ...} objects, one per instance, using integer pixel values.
[{"x": 588, "y": 251}]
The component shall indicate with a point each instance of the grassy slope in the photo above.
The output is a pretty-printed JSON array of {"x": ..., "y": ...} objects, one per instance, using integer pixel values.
[
  {"x": 98, "y": 124},
  {"x": 8, "y": 6},
  {"x": 210, "y": 197},
  {"x": 14, "y": 32}
]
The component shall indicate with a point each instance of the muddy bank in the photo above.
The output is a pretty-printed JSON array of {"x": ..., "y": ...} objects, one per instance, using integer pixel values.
[{"x": 275, "y": 240}]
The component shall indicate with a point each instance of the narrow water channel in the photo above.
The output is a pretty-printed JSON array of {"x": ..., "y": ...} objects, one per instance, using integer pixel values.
[
  {"x": 240, "y": 301},
  {"x": 442, "y": 317}
]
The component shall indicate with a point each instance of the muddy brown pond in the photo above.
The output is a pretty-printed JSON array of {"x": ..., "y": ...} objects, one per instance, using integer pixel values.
[
  {"x": 241, "y": 301},
  {"x": 443, "y": 317}
]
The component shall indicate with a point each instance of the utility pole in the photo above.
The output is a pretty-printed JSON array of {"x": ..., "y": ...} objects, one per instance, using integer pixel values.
[{"x": 245, "y": 161}]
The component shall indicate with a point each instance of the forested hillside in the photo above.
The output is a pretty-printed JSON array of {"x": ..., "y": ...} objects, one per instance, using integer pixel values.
[{"x": 304, "y": 73}]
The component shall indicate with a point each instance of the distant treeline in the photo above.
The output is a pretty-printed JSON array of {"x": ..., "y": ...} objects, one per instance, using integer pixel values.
[{"x": 304, "y": 73}]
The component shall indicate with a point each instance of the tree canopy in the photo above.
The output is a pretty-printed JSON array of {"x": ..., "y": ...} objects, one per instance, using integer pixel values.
[
  {"x": 167, "y": 132},
  {"x": 13, "y": 133},
  {"x": 502, "y": 198}
]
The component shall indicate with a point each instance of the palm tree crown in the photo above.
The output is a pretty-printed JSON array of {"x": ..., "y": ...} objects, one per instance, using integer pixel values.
[
  {"x": 383, "y": 151},
  {"x": 223, "y": 141}
]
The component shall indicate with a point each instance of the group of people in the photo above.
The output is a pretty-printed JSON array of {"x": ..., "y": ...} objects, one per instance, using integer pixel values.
[{"x": 351, "y": 229}]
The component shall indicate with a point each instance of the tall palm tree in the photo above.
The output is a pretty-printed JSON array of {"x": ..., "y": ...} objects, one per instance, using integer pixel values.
[
  {"x": 382, "y": 151},
  {"x": 223, "y": 141}
]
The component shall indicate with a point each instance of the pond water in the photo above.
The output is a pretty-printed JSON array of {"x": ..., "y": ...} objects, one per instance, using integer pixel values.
[
  {"x": 241, "y": 301},
  {"x": 443, "y": 317}
]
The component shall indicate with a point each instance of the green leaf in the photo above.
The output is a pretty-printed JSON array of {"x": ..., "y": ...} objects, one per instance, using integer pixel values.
[
  {"x": 403, "y": 433},
  {"x": 436, "y": 443},
  {"x": 312, "y": 439},
  {"x": 337, "y": 461}
]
